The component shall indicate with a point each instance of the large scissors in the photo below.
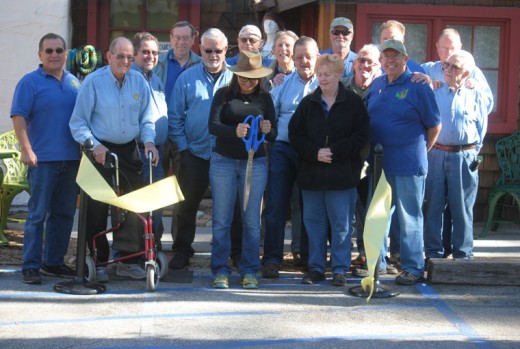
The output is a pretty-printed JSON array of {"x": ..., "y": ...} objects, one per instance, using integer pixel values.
[{"x": 252, "y": 143}]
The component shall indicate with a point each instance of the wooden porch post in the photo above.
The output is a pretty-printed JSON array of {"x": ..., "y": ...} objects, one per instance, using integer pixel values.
[{"x": 327, "y": 12}]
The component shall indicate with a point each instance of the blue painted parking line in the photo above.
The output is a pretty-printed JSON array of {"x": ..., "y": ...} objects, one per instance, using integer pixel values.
[{"x": 442, "y": 307}]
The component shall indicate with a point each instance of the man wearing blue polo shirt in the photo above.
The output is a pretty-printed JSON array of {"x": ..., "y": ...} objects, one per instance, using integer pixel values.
[
  {"x": 341, "y": 35},
  {"x": 405, "y": 120},
  {"x": 42, "y": 105}
]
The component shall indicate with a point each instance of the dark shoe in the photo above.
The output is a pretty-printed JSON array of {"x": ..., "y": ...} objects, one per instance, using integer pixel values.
[
  {"x": 313, "y": 277},
  {"x": 390, "y": 269},
  {"x": 179, "y": 261},
  {"x": 359, "y": 261},
  {"x": 271, "y": 271},
  {"x": 405, "y": 278},
  {"x": 297, "y": 261},
  {"x": 339, "y": 279},
  {"x": 62, "y": 271},
  {"x": 31, "y": 276}
]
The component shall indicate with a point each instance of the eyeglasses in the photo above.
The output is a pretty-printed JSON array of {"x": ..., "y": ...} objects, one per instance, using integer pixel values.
[
  {"x": 148, "y": 52},
  {"x": 243, "y": 79},
  {"x": 452, "y": 67},
  {"x": 50, "y": 51},
  {"x": 342, "y": 32},
  {"x": 252, "y": 41},
  {"x": 123, "y": 57},
  {"x": 211, "y": 51},
  {"x": 181, "y": 38}
]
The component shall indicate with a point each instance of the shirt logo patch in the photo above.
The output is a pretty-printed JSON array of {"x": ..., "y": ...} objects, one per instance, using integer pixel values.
[
  {"x": 136, "y": 96},
  {"x": 74, "y": 83},
  {"x": 401, "y": 94}
]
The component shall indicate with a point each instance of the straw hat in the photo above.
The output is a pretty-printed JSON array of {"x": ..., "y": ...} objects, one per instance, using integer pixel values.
[{"x": 249, "y": 65}]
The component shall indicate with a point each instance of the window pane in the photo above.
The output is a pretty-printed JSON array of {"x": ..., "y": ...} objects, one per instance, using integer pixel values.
[
  {"x": 415, "y": 39},
  {"x": 161, "y": 14},
  {"x": 487, "y": 46},
  {"x": 126, "y": 14},
  {"x": 492, "y": 79}
]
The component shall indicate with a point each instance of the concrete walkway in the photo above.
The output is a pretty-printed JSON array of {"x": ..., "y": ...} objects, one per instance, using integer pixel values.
[{"x": 282, "y": 313}]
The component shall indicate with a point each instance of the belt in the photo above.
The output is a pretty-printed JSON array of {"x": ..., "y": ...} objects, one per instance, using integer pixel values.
[{"x": 454, "y": 148}]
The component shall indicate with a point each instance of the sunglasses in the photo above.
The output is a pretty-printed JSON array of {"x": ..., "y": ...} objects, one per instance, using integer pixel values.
[
  {"x": 211, "y": 51},
  {"x": 369, "y": 62},
  {"x": 251, "y": 40},
  {"x": 149, "y": 52},
  {"x": 123, "y": 57},
  {"x": 342, "y": 32},
  {"x": 50, "y": 51}
]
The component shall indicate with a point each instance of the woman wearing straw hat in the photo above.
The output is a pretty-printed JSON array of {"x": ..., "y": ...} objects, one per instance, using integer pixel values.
[{"x": 231, "y": 106}]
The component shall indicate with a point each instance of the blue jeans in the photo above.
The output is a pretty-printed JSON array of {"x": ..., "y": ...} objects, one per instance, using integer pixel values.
[
  {"x": 283, "y": 167},
  {"x": 450, "y": 181},
  {"x": 334, "y": 208},
  {"x": 407, "y": 200},
  {"x": 53, "y": 200},
  {"x": 227, "y": 177},
  {"x": 158, "y": 174}
]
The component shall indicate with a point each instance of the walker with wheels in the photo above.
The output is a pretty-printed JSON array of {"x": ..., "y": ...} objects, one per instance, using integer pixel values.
[{"x": 129, "y": 229}]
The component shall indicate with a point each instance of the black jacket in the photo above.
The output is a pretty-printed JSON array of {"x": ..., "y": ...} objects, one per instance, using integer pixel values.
[{"x": 345, "y": 130}]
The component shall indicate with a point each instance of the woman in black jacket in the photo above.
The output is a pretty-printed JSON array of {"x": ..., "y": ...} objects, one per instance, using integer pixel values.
[{"x": 328, "y": 130}]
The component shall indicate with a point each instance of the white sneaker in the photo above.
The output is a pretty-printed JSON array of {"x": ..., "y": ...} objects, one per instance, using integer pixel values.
[
  {"x": 101, "y": 274},
  {"x": 134, "y": 271}
]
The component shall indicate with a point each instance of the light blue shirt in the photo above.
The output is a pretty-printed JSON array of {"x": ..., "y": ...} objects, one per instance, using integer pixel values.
[
  {"x": 463, "y": 114},
  {"x": 159, "y": 106},
  {"x": 105, "y": 111},
  {"x": 436, "y": 72},
  {"x": 286, "y": 98},
  {"x": 189, "y": 109}
]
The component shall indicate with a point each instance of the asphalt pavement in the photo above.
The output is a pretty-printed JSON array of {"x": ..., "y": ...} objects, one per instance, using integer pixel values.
[{"x": 281, "y": 313}]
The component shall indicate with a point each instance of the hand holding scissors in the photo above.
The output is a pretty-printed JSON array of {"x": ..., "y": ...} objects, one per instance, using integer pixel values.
[{"x": 252, "y": 143}]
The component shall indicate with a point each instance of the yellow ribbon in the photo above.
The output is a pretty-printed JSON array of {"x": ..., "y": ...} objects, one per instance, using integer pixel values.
[
  {"x": 376, "y": 225},
  {"x": 152, "y": 197}
]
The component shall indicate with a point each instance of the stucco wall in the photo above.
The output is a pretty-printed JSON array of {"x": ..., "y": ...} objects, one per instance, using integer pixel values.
[{"x": 22, "y": 24}]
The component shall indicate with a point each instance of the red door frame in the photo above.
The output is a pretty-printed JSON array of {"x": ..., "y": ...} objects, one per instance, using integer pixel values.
[{"x": 98, "y": 19}]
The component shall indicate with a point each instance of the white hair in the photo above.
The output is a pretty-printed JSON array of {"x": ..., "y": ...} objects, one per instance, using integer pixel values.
[
  {"x": 214, "y": 34},
  {"x": 468, "y": 62}
]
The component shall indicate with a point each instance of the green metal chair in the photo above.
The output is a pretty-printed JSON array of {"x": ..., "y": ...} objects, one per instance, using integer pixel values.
[
  {"x": 508, "y": 185},
  {"x": 14, "y": 181}
]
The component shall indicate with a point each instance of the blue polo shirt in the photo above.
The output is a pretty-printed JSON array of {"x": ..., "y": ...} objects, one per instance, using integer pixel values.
[
  {"x": 286, "y": 98},
  {"x": 436, "y": 72},
  {"x": 347, "y": 62},
  {"x": 46, "y": 104},
  {"x": 400, "y": 114},
  {"x": 190, "y": 104},
  {"x": 463, "y": 114}
]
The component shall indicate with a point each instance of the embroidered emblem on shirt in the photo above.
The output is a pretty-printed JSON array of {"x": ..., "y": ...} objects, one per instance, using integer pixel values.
[
  {"x": 136, "y": 96},
  {"x": 74, "y": 83},
  {"x": 401, "y": 94}
]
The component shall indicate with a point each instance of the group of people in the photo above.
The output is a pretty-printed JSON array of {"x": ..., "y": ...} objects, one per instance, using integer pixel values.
[{"x": 279, "y": 126}]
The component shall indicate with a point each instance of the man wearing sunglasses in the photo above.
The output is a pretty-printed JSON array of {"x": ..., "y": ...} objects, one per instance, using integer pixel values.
[
  {"x": 341, "y": 35},
  {"x": 47, "y": 147},
  {"x": 249, "y": 39},
  {"x": 188, "y": 129}
]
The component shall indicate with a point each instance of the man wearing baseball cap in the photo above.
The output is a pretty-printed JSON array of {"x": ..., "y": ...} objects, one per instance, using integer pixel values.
[
  {"x": 341, "y": 35},
  {"x": 249, "y": 39},
  {"x": 405, "y": 120}
]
